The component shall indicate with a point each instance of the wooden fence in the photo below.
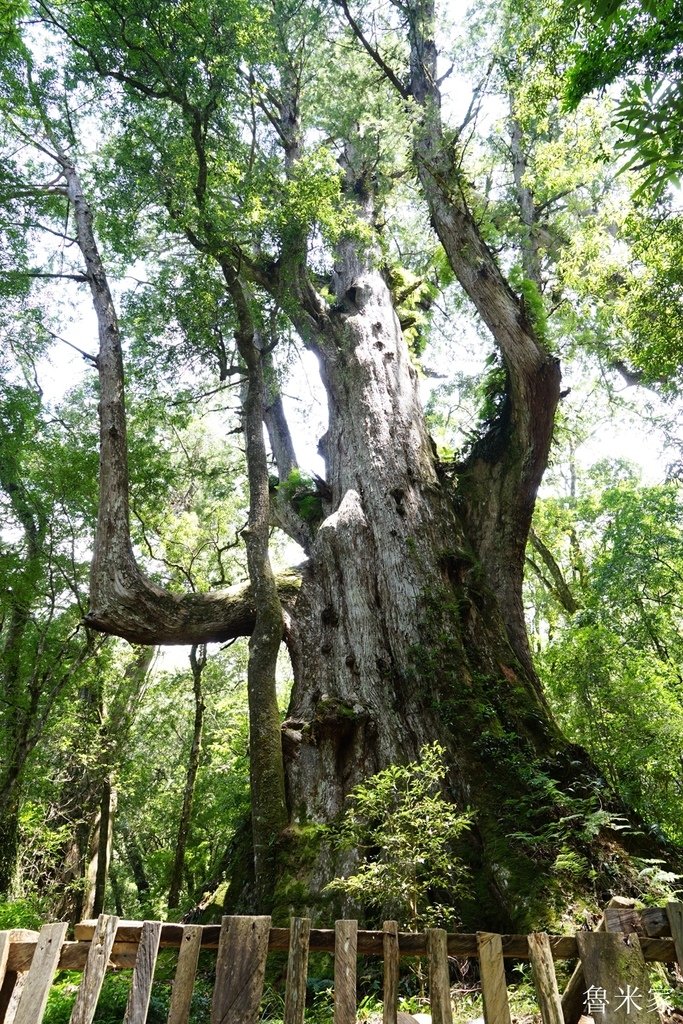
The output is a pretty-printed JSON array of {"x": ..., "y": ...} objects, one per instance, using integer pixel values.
[{"x": 611, "y": 977}]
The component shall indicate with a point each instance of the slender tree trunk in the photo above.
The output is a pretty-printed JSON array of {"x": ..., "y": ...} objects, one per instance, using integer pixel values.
[
  {"x": 9, "y": 844},
  {"x": 531, "y": 256},
  {"x": 137, "y": 866},
  {"x": 197, "y": 662},
  {"x": 116, "y": 892},
  {"x": 100, "y": 849},
  {"x": 266, "y": 768}
]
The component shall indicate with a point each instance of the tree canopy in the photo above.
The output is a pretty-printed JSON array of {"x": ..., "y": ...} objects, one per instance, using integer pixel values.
[{"x": 639, "y": 46}]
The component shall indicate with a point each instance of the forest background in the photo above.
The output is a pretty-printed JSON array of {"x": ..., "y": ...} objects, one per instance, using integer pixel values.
[{"x": 127, "y": 779}]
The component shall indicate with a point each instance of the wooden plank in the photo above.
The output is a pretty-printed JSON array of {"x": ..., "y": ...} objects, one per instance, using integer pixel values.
[
  {"x": 345, "y": 961},
  {"x": 240, "y": 970},
  {"x": 493, "y": 987},
  {"x": 143, "y": 974},
  {"x": 573, "y": 996},
  {"x": 10, "y": 994},
  {"x": 390, "y": 949},
  {"x": 297, "y": 970},
  {"x": 617, "y": 980},
  {"x": 655, "y": 922},
  {"x": 674, "y": 913},
  {"x": 186, "y": 969},
  {"x": 659, "y": 950},
  {"x": 93, "y": 976},
  {"x": 39, "y": 979},
  {"x": 371, "y": 943},
  {"x": 322, "y": 940},
  {"x": 74, "y": 955},
  {"x": 439, "y": 982},
  {"x": 543, "y": 969},
  {"x": 4, "y": 954},
  {"x": 623, "y": 919}
]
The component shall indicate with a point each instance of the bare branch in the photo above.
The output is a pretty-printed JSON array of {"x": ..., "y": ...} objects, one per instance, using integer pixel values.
[
  {"x": 81, "y": 278},
  {"x": 557, "y": 584},
  {"x": 374, "y": 53},
  {"x": 86, "y": 355}
]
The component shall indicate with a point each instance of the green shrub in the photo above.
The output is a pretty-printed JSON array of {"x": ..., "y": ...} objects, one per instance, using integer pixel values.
[{"x": 403, "y": 829}]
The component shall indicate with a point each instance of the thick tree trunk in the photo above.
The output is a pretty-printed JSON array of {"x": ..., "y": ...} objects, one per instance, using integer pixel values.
[{"x": 397, "y": 638}]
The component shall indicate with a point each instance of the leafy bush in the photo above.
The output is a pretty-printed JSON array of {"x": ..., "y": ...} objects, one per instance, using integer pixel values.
[
  {"x": 19, "y": 913},
  {"x": 403, "y": 829}
]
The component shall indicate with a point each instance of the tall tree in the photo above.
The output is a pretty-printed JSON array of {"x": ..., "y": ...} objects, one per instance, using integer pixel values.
[{"x": 197, "y": 663}]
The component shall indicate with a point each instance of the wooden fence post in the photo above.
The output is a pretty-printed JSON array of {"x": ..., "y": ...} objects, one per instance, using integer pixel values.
[
  {"x": 345, "y": 963},
  {"x": 186, "y": 969},
  {"x": 390, "y": 951},
  {"x": 43, "y": 966},
  {"x": 297, "y": 970},
  {"x": 674, "y": 911},
  {"x": 617, "y": 979},
  {"x": 143, "y": 974},
  {"x": 240, "y": 970},
  {"x": 573, "y": 995},
  {"x": 493, "y": 986},
  {"x": 95, "y": 968},
  {"x": 439, "y": 982},
  {"x": 543, "y": 968}
]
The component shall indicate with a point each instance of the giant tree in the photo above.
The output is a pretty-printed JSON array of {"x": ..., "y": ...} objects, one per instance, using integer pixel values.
[{"x": 263, "y": 145}]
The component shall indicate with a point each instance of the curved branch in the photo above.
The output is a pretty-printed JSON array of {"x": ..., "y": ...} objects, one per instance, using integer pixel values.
[
  {"x": 373, "y": 51},
  {"x": 557, "y": 583},
  {"x": 123, "y": 601},
  {"x": 501, "y": 477},
  {"x": 143, "y": 613}
]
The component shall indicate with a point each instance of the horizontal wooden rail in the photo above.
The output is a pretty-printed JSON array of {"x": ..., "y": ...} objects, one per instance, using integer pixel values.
[{"x": 370, "y": 943}]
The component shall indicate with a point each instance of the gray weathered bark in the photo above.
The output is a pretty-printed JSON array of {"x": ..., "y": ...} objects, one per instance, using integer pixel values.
[{"x": 396, "y": 631}]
